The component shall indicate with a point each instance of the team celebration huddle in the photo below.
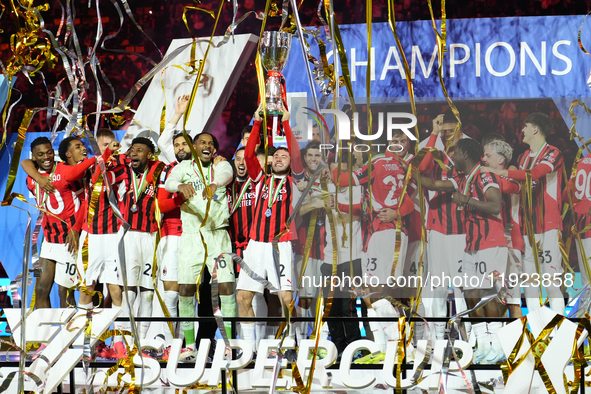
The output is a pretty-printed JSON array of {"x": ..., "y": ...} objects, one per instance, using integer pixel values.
[{"x": 278, "y": 227}]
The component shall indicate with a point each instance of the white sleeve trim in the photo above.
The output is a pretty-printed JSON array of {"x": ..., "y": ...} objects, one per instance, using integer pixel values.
[
  {"x": 548, "y": 164},
  {"x": 495, "y": 185},
  {"x": 454, "y": 183}
]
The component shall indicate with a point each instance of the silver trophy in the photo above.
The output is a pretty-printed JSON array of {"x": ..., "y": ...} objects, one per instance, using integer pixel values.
[{"x": 275, "y": 47}]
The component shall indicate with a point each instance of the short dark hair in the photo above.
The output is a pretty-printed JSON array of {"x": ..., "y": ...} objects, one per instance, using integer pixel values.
[
  {"x": 449, "y": 117},
  {"x": 65, "y": 146},
  {"x": 240, "y": 149},
  {"x": 282, "y": 148},
  {"x": 270, "y": 150},
  {"x": 144, "y": 141},
  {"x": 216, "y": 145},
  {"x": 490, "y": 137},
  {"x": 471, "y": 148},
  {"x": 311, "y": 145},
  {"x": 541, "y": 121},
  {"x": 397, "y": 132},
  {"x": 247, "y": 129},
  {"x": 103, "y": 132},
  {"x": 40, "y": 141},
  {"x": 177, "y": 135}
]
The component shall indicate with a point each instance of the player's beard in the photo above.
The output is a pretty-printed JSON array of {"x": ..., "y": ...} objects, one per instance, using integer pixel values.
[
  {"x": 186, "y": 157},
  {"x": 281, "y": 173}
]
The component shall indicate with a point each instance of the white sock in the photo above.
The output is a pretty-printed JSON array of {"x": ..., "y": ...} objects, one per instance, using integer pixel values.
[
  {"x": 324, "y": 331},
  {"x": 145, "y": 311},
  {"x": 171, "y": 299},
  {"x": 482, "y": 337},
  {"x": 556, "y": 298},
  {"x": 259, "y": 305},
  {"x": 384, "y": 308},
  {"x": 248, "y": 332},
  {"x": 303, "y": 326},
  {"x": 196, "y": 308},
  {"x": 86, "y": 306},
  {"x": 377, "y": 331},
  {"x": 493, "y": 328},
  {"x": 291, "y": 334},
  {"x": 419, "y": 325},
  {"x": 272, "y": 332},
  {"x": 117, "y": 326},
  {"x": 125, "y": 312}
]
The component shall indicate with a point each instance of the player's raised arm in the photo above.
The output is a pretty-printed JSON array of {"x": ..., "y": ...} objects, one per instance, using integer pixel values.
[
  {"x": 297, "y": 168},
  {"x": 428, "y": 163},
  {"x": 435, "y": 185},
  {"x": 253, "y": 167},
  {"x": 165, "y": 142}
]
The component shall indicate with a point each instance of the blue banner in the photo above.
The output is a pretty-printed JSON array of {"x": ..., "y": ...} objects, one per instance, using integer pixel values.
[{"x": 520, "y": 57}]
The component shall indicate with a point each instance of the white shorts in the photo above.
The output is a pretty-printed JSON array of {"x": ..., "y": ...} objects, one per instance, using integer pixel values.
[
  {"x": 586, "y": 242},
  {"x": 479, "y": 265},
  {"x": 139, "y": 258},
  {"x": 549, "y": 255},
  {"x": 168, "y": 258},
  {"x": 445, "y": 254},
  {"x": 192, "y": 255},
  {"x": 306, "y": 288},
  {"x": 514, "y": 292},
  {"x": 413, "y": 257},
  {"x": 259, "y": 258},
  {"x": 379, "y": 258},
  {"x": 102, "y": 252},
  {"x": 66, "y": 274}
]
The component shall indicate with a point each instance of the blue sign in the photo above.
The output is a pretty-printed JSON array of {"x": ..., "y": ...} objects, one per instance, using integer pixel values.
[{"x": 521, "y": 57}]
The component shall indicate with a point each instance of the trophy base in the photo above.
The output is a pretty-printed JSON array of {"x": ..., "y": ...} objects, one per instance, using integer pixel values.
[{"x": 272, "y": 113}]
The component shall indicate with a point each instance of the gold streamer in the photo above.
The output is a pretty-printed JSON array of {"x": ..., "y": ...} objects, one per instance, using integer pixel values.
[
  {"x": 579, "y": 35},
  {"x": 409, "y": 83},
  {"x": 158, "y": 217},
  {"x": 440, "y": 37},
  {"x": 190, "y": 143},
  {"x": 526, "y": 196}
]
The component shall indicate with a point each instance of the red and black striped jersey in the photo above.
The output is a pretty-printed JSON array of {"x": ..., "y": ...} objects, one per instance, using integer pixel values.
[
  {"x": 169, "y": 204},
  {"x": 63, "y": 203},
  {"x": 442, "y": 214},
  {"x": 272, "y": 209},
  {"x": 103, "y": 221},
  {"x": 546, "y": 169},
  {"x": 143, "y": 219},
  {"x": 483, "y": 230},
  {"x": 242, "y": 201}
]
